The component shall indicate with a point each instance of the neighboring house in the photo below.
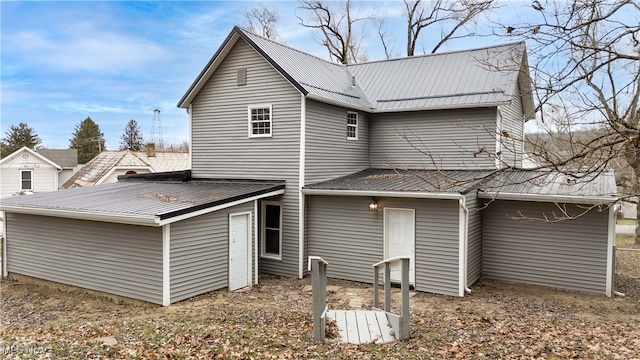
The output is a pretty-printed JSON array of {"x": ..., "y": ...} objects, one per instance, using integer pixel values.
[
  {"x": 27, "y": 171},
  {"x": 108, "y": 165},
  {"x": 353, "y": 163}
]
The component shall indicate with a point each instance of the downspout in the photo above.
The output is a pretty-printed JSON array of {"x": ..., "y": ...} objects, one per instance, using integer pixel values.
[
  {"x": 166, "y": 265},
  {"x": 301, "y": 180},
  {"x": 190, "y": 112},
  {"x": 4, "y": 244},
  {"x": 613, "y": 212},
  {"x": 464, "y": 243},
  {"x": 255, "y": 241}
]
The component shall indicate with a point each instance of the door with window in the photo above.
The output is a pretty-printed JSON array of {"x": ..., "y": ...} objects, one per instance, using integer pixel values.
[
  {"x": 271, "y": 230},
  {"x": 399, "y": 239}
]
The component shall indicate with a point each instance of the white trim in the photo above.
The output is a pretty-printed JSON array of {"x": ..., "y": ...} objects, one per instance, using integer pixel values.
[
  {"x": 114, "y": 168},
  {"x": 247, "y": 214},
  {"x": 143, "y": 220},
  {"x": 412, "y": 274},
  {"x": 166, "y": 265},
  {"x": 190, "y": 112},
  {"x": 301, "y": 183},
  {"x": 263, "y": 230},
  {"x": 219, "y": 207},
  {"x": 463, "y": 226},
  {"x": 611, "y": 240},
  {"x": 29, "y": 170},
  {"x": 499, "y": 123},
  {"x": 354, "y": 138},
  {"x": 255, "y": 241},
  {"x": 383, "y": 193},
  {"x": 42, "y": 157},
  {"x": 572, "y": 199},
  {"x": 250, "y": 129},
  {"x": 5, "y": 273}
]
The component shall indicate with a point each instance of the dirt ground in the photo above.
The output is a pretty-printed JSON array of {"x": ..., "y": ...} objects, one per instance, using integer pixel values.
[{"x": 39, "y": 319}]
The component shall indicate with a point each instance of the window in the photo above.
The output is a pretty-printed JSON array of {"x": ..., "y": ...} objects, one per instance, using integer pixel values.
[
  {"x": 271, "y": 230},
  {"x": 260, "y": 121},
  {"x": 352, "y": 126},
  {"x": 26, "y": 179}
]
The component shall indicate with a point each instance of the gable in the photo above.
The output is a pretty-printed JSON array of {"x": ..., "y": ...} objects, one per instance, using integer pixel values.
[
  {"x": 27, "y": 158},
  {"x": 462, "y": 79}
]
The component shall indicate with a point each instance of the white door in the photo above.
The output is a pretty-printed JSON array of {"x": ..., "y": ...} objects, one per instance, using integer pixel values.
[
  {"x": 399, "y": 239},
  {"x": 239, "y": 254}
]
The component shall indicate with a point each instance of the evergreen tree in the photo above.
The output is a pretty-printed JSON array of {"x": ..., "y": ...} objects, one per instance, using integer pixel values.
[
  {"x": 132, "y": 139},
  {"x": 88, "y": 139},
  {"x": 16, "y": 137}
]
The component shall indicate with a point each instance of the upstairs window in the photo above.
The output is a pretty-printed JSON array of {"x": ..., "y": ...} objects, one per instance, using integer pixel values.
[
  {"x": 352, "y": 125},
  {"x": 260, "y": 121},
  {"x": 26, "y": 179},
  {"x": 272, "y": 230}
]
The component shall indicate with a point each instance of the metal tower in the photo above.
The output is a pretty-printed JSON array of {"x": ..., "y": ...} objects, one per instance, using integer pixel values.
[{"x": 157, "y": 121}]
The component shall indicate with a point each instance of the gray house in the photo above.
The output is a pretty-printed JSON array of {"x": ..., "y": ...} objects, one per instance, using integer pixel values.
[{"x": 415, "y": 156}]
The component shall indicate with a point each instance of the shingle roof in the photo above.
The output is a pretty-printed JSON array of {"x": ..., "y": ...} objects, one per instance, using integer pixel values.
[
  {"x": 67, "y": 158},
  {"x": 101, "y": 165},
  {"x": 480, "y": 77},
  {"x": 149, "y": 200}
]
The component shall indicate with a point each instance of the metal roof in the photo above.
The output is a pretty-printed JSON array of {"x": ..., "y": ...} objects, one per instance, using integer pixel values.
[
  {"x": 480, "y": 77},
  {"x": 545, "y": 185},
  {"x": 486, "y": 76},
  {"x": 523, "y": 185},
  {"x": 140, "y": 202},
  {"x": 452, "y": 181}
]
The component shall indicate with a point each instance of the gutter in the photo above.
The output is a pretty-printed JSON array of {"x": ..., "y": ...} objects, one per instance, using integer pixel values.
[
  {"x": 569, "y": 199},
  {"x": 399, "y": 194},
  {"x": 131, "y": 219}
]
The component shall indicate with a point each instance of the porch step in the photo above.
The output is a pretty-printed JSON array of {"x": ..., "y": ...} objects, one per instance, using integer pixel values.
[{"x": 360, "y": 327}]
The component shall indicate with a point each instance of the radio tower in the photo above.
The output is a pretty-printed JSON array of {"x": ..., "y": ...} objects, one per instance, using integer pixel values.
[{"x": 157, "y": 121}]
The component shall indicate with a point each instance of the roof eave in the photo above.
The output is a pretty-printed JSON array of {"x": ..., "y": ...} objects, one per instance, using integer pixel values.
[
  {"x": 338, "y": 103},
  {"x": 131, "y": 219},
  {"x": 444, "y": 107},
  {"x": 385, "y": 193},
  {"x": 568, "y": 199}
]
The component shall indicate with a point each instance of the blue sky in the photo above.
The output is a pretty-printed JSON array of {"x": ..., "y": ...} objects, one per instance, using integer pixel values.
[{"x": 114, "y": 61}]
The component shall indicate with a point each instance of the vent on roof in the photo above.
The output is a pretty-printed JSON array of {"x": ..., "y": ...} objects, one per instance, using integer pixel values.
[{"x": 242, "y": 77}]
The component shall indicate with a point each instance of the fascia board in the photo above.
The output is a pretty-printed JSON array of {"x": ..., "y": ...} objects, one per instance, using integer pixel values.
[
  {"x": 131, "y": 219},
  {"x": 569, "y": 199}
]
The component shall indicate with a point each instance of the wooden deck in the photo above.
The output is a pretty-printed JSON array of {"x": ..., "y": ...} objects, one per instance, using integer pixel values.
[{"x": 360, "y": 327}]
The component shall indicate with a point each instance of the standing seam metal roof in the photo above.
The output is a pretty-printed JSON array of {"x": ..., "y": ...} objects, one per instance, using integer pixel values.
[{"x": 479, "y": 77}]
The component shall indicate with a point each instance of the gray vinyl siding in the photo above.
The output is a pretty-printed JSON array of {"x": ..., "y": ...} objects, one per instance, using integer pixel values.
[
  {"x": 351, "y": 238},
  {"x": 221, "y": 143},
  {"x": 569, "y": 254},
  {"x": 513, "y": 124},
  {"x": 119, "y": 259},
  {"x": 199, "y": 250},
  {"x": 474, "y": 238},
  {"x": 328, "y": 152},
  {"x": 439, "y": 139}
]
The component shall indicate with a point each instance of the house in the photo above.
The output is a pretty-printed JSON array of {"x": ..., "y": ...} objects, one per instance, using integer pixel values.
[
  {"x": 108, "y": 165},
  {"x": 39, "y": 170},
  {"x": 293, "y": 156}
]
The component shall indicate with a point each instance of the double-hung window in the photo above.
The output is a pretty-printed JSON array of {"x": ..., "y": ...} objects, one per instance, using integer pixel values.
[
  {"x": 271, "y": 243},
  {"x": 26, "y": 179},
  {"x": 260, "y": 117},
  {"x": 352, "y": 125}
]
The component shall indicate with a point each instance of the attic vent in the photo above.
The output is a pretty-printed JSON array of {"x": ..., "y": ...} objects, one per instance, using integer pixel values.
[{"x": 242, "y": 77}]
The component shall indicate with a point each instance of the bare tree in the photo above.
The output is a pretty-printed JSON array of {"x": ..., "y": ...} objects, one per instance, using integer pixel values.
[
  {"x": 338, "y": 27},
  {"x": 585, "y": 60},
  {"x": 262, "y": 20},
  {"x": 452, "y": 17}
]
